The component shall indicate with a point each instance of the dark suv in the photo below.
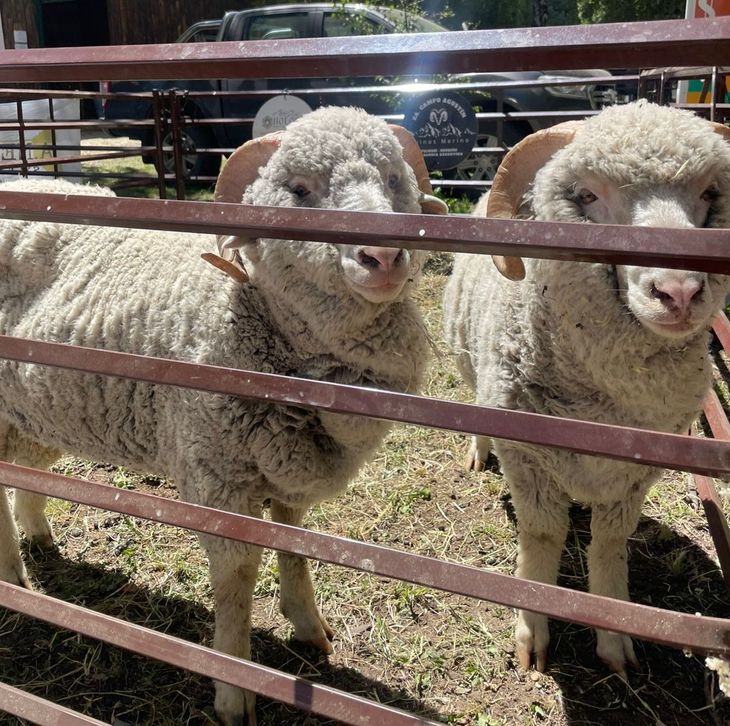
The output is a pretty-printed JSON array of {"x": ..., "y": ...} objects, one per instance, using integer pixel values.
[{"x": 317, "y": 20}]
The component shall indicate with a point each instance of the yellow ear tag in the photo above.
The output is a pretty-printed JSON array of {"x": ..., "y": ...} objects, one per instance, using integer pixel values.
[{"x": 232, "y": 269}]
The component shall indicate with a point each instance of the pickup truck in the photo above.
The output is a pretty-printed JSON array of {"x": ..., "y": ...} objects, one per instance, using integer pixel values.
[{"x": 314, "y": 20}]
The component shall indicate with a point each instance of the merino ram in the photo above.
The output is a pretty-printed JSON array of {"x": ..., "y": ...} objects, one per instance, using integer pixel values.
[
  {"x": 612, "y": 344},
  {"x": 333, "y": 312}
]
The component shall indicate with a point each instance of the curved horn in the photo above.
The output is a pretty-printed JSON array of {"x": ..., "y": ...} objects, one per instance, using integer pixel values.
[
  {"x": 514, "y": 176},
  {"x": 721, "y": 129},
  {"x": 413, "y": 156},
  {"x": 240, "y": 170},
  {"x": 242, "y": 167}
]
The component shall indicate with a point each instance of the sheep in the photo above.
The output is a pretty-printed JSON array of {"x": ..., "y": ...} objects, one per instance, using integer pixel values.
[
  {"x": 613, "y": 344},
  {"x": 333, "y": 312}
]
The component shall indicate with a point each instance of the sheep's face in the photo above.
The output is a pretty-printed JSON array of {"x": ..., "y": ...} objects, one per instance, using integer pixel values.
[
  {"x": 659, "y": 168},
  {"x": 671, "y": 303},
  {"x": 353, "y": 162}
]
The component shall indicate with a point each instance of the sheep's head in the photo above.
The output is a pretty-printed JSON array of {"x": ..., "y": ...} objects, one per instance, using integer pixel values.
[
  {"x": 641, "y": 165},
  {"x": 333, "y": 158}
]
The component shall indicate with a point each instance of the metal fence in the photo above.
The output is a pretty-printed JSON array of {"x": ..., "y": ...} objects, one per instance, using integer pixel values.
[{"x": 648, "y": 44}]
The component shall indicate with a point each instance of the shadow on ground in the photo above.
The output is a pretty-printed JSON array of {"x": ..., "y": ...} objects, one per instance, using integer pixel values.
[{"x": 120, "y": 687}]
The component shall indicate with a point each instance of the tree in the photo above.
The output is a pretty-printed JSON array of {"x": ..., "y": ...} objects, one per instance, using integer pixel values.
[{"x": 616, "y": 11}]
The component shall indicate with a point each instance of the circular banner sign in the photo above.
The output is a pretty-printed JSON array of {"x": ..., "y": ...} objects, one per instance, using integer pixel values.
[
  {"x": 277, "y": 113},
  {"x": 445, "y": 127}
]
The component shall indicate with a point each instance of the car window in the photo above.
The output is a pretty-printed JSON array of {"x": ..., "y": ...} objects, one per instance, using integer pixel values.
[
  {"x": 203, "y": 35},
  {"x": 410, "y": 23},
  {"x": 277, "y": 27},
  {"x": 339, "y": 23},
  {"x": 202, "y": 32}
]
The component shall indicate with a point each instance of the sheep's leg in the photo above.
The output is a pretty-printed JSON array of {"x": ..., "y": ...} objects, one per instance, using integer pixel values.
[
  {"x": 30, "y": 513},
  {"x": 297, "y": 593},
  {"x": 29, "y": 506},
  {"x": 233, "y": 570},
  {"x": 478, "y": 453},
  {"x": 542, "y": 525},
  {"x": 12, "y": 568},
  {"x": 608, "y": 573}
]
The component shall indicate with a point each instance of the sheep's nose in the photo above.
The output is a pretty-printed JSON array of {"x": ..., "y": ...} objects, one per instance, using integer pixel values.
[
  {"x": 380, "y": 257},
  {"x": 677, "y": 294}
]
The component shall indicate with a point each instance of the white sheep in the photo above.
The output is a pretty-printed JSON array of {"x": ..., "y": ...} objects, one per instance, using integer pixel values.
[
  {"x": 612, "y": 344},
  {"x": 338, "y": 313}
]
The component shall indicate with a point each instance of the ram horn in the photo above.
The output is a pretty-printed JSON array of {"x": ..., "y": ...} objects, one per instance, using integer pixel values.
[
  {"x": 514, "y": 176},
  {"x": 430, "y": 204},
  {"x": 722, "y": 130},
  {"x": 239, "y": 171}
]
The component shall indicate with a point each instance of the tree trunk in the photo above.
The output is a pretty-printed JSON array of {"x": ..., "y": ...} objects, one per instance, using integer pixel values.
[{"x": 539, "y": 12}]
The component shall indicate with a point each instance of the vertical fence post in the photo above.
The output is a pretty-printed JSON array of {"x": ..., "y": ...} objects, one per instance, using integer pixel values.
[
  {"x": 177, "y": 143},
  {"x": 54, "y": 148},
  {"x": 21, "y": 138},
  {"x": 158, "y": 118}
]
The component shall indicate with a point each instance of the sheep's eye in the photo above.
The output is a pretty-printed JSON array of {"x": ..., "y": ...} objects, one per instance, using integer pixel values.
[
  {"x": 393, "y": 181},
  {"x": 710, "y": 194},
  {"x": 586, "y": 196},
  {"x": 301, "y": 192}
]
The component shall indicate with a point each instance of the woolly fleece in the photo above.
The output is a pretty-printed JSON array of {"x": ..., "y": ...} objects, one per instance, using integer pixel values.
[
  {"x": 563, "y": 342},
  {"x": 149, "y": 292}
]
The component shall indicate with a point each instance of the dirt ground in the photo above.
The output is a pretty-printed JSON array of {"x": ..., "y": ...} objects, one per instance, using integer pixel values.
[{"x": 449, "y": 658}]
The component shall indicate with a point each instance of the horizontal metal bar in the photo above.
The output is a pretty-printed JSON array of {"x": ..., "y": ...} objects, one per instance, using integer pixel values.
[
  {"x": 629, "y": 444},
  {"x": 701, "y": 634},
  {"x": 95, "y": 125},
  {"x": 59, "y": 160},
  {"x": 40, "y": 711},
  {"x": 271, "y": 683},
  {"x": 703, "y": 249},
  {"x": 622, "y": 45},
  {"x": 404, "y": 88}
]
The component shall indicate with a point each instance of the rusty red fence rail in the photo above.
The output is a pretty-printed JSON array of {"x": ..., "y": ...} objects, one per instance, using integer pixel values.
[{"x": 639, "y": 44}]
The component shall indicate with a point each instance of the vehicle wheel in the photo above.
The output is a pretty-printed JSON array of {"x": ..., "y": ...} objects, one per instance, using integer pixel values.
[{"x": 194, "y": 164}]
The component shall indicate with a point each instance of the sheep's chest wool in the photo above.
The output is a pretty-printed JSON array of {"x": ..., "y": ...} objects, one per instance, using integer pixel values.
[{"x": 295, "y": 454}]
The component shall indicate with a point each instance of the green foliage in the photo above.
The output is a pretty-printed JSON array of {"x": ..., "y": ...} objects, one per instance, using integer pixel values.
[
  {"x": 525, "y": 13},
  {"x": 616, "y": 11}
]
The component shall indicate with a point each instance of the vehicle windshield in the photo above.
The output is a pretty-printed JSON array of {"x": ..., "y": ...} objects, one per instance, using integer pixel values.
[{"x": 411, "y": 23}]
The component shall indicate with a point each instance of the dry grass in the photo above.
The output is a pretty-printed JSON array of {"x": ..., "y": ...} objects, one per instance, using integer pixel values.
[{"x": 444, "y": 656}]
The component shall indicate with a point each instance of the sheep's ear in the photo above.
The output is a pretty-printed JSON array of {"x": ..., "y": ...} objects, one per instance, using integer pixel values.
[
  {"x": 430, "y": 204},
  {"x": 514, "y": 176}
]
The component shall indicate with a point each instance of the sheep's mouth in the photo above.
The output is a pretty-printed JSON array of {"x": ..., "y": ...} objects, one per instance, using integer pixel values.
[
  {"x": 375, "y": 291},
  {"x": 672, "y": 329}
]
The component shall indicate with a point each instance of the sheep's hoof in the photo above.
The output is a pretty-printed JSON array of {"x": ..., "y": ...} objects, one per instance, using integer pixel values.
[
  {"x": 532, "y": 636},
  {"x": 478, "y": 454},
  {"x": 471, "y": 463},
  {"x": 311, "y": 628},
  {"x": 43, "y": 542},
  {"x": 15, "y": 573},
  {"x": 38, "y": 532},
  {"x": 616, "y": 651},
  {"x": 234, "y": 706},
  {"x": 322, "y": 640}
]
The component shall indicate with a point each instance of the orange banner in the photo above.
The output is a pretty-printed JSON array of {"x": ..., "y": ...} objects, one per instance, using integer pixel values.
[
  {"x": 707, "y": 8},
  {"x": 691, "y": 91}
]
